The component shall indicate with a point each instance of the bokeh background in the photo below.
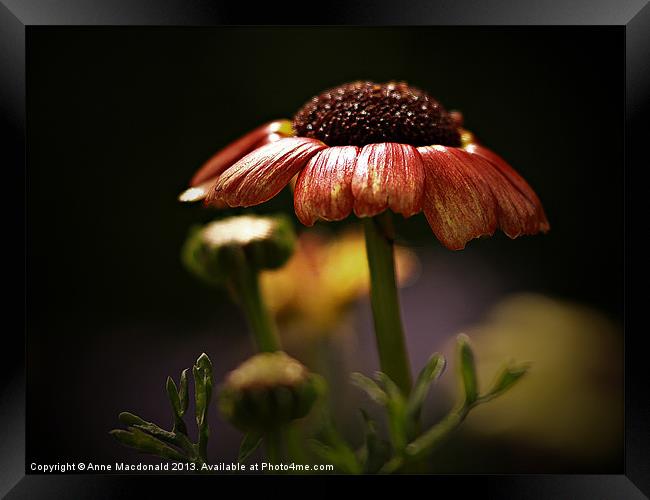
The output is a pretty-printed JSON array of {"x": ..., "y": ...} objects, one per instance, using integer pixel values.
[{"x": 119, "y": 119}]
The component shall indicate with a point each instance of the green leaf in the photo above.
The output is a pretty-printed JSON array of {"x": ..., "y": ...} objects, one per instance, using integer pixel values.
[
  {"x": 133, "y": 421},
  {"x": 333, "y": 449},
  {"x": 178, "y": 401},
  {"x": 150, "y": 428},
  {"x": 175, "y": 437},
  {"x": 396, "y": 406},
  {"x": 393, "y": 465},
  {"x": 467, "y": 370},
  {"x": 154, "y": 430},
  {"x": 342, "y": 458},
  {"x": 130, "y": 419},
  {"x": 376, "y": 451},
  {"x": 370, "y": 387},
  {"x": 430, "y": 439},
  {"x": 172, "y": 393},
  {"x": 183, "y": 393},
  {"x": 145, "y": 443},
  {"x": 200, "y": 399},
  {"x": 204, "y": 363},
  {"x": 326, "y": 453},
  {"x": 249, "y": 444},
  {"x": 392, "y": 390},
  {"x": 431, "y": 371},
  {"x": 506, "y": 378},
  {"x": 202, "y": 372}
]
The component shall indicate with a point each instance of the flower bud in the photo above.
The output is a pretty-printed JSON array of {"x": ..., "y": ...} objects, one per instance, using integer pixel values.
[
  {"x": 212, "y": 252},
  {"x": 267, "y": 391}
]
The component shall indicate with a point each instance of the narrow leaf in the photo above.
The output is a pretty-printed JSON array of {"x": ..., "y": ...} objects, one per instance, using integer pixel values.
[
  {"x": 204, "y": 363},
  {"x": 370, "y": 387},
  {"x": 175, "y": 437},
  {"x": 376, "y": 450},
  {"x": 396, "y": 406},
  {"x": 431, "y": 371},
  {"x": 200, "y": 400},
  {"x": 172, "y": 393},
  {"x": 207, "y": 383},
  {"x": 391, "y": 389},
  {"x": 506, "y": 378},
  {"x": 145, "y": 443},
  {"x": 467, "y": 369},
  {"x": 202, "y": 372},
  {"x": 154, "y": 430},
  {"x": 429, "y": 440},
  {"x": 150, "y": 428},
  {"x": 183, "y": 393},
  {"x": 130, "y": 419}
]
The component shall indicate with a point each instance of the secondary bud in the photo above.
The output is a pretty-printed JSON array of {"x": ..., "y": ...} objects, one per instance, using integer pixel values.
[
  {"x": 212, "y": 252},
  {"x": 268, "y": 391}
]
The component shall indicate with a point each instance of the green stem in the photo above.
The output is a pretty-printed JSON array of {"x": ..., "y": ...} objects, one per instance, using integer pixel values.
[
  {"x": 274, "y": 447},
  {"x": 294, "y": 444},
  {"x": 385, "y": 301},
  {"x": 438, "y": 433},
  {"x": 204, "y": 434},
  {"x": 426, "y": 443},
  {"x": 245, "y": 282}
]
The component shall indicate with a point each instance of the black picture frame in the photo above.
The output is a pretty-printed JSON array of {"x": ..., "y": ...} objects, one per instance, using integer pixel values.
[{"x": 16, "y": 18}]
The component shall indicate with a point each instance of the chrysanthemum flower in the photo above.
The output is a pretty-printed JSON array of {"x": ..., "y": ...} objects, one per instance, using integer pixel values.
[{"x": 364, "y": 148}]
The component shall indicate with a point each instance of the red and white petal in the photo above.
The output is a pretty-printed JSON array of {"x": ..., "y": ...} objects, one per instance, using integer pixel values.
[
  {"x": 517, "y": 215},
  {"x": 458, "y": 203},
  {"x": 532, "y": 217},
  {"x": 388, "y": 175},
  {"x": 324, "y": 187},
  {"x": 196, "y": 193},
  {"x": 238, "y": 149},
  {"x": 261, "y": 174}
]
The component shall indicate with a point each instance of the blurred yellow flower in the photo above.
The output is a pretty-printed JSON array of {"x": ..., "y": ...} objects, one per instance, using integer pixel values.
[
  {"x": 323, "y": 277},
  {"x": 571, "y": 401}
]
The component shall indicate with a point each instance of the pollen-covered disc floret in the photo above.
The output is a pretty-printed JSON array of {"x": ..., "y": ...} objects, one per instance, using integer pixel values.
[{"x": 360, "y": 113}]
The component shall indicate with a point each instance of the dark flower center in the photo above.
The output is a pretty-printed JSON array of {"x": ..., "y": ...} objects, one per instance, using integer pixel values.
[{"x": 362, "y": 113}]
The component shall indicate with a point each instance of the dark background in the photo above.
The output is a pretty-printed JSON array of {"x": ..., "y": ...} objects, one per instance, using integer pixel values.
[{"x": 118, "y": 120}]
